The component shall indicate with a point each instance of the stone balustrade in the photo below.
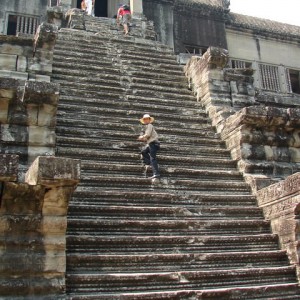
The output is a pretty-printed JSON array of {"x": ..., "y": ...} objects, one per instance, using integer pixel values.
[
  {"x": 28, "y": 58},
  {"x": 28, "y": 118},
  {"x": 33, "y": 222},
  {"x": 264, "y": 140},
  {"x": 281, "y": 205}
]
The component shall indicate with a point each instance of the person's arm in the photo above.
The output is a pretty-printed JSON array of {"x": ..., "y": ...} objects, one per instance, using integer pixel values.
[{"x": 145, "y": 137}]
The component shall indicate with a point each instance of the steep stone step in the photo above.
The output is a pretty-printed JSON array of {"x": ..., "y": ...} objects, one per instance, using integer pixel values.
[
  {"x": 93, "y": 125},
  {"x": 129, "y": 113},
  {"x": 176, "y": 184},
  {"x": 189, "y": 200},
  {"x": 106, "y": 244},
  {"x": 180, "y": 150},
  {"x": 189, "y": 227},
  {"x": 274, "y": 292},
  {"x": 86, "y": 210},
  {"x": 176, "y": 262},
  {"x": 137, "y": 45},
  {"x": 91, "y": 168},
  {"x": 134, "y": 159},
  {"x": 104, "y": 68},
  {"x": 143, "y": 282}
]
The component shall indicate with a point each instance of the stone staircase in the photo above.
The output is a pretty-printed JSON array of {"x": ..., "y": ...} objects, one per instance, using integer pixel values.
[{"x": 194, "y": 234}]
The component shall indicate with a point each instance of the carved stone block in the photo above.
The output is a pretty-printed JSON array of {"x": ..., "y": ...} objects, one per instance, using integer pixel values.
[{"x": 53, "y": 171}]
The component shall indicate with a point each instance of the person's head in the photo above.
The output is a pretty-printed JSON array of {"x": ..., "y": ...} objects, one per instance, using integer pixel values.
[{"x": 146, "y": 119}]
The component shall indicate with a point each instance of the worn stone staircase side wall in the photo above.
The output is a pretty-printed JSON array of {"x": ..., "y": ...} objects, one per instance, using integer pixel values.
[
  {"x": 28, "y": 100},
  {"x": 33, "y": 200},
  {"x": 264, "y": 140},
  {"x": 281, "y": 205},
  {"x": 33, "y": 226}
]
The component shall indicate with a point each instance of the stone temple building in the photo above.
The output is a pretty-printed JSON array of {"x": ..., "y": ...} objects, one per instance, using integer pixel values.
[{"x": 79, "y": 216}]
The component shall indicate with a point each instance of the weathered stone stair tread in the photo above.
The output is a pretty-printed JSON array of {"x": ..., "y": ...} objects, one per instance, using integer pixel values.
[
  {"x": 136, "y": 44},
  {"x": 171, "y": 243},
  {"x": 91, "y": 168},
  {"x": 121, "y": 182},
  {"x": 88, "y": 210},
  {"x": 92, "y": 143},
  {"x": 272, "y": 291},
  {"x": 141, "y": 100},
  {"x": 188, "y": 227},
  {"x": 108, "y": 68},
  {"x": 96, "y": 80},
  {"x": 126, "y": 282},
  {"x": 121, "y": 127},
  {"x": 107, "y": 134},
  {"x": 129, "y": 115},
  {"x": 176, "y": 262},
  {"x": 136, "y": 171},
  {"x": 61, "y": 73},
  {"x": 134, "y": 198},
  {"x": 165, "y": 90},
  {"x": 155, "y": 59},
  {"x": 191, "y": 115},
  {"x": 130, "y": 124},
  {"x": 152, "y": 81}
]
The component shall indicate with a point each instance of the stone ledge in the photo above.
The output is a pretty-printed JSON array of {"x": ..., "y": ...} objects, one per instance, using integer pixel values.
[
  {"x": 279, "y": 190},
  {"x": 39, "y": 92},
  {"x": 53, "y": 171}
]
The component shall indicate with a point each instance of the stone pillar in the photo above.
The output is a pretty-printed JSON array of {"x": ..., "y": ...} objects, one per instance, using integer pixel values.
[{"x": 136, "y": 7}]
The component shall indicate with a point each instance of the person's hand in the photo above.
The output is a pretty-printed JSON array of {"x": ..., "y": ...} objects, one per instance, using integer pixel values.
[{"x": 141, "y": 138}]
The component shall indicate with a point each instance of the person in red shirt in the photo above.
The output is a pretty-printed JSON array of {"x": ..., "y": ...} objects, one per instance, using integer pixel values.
[{"x": 124, "y": 17}]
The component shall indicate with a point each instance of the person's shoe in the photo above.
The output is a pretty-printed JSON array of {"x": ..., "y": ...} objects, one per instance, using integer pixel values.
[
  {"x": 155, "y": 176},
  {"x": 147, "y": 168}
]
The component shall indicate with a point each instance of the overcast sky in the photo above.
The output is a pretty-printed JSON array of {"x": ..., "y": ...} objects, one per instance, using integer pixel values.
[{"x": 285, "y": 11}]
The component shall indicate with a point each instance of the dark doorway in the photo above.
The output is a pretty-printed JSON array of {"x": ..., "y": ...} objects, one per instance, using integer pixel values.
[
  {"x": 12, "y": 25},
  {"x": 100, "y": 7}
]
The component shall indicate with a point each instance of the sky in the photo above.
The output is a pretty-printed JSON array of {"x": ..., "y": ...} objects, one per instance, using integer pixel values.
[{"x": 285, "y": 11}]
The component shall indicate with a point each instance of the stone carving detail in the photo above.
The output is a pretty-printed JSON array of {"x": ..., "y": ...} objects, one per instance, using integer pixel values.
[{"x": 281, "y": 205}]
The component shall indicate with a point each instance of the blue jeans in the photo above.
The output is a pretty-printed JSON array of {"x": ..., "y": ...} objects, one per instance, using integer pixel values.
[{"x": 149, "y": 156}]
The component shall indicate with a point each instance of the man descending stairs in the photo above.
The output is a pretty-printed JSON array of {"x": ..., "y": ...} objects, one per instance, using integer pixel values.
[{"x": 194, "y": 234}]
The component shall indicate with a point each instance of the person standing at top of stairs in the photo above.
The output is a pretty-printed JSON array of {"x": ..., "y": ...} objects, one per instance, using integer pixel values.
[
  {"x": 88, "y": 6},
  {"x": 151, "y": 138},
  {"x": 124, "y": 17}
]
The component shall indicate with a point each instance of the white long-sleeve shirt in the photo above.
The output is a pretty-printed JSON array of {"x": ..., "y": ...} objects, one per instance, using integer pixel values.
[{"x": 150, "y": 134}]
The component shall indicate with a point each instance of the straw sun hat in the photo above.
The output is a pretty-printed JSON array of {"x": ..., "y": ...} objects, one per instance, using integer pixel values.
[{"x": 146, "y": 116}]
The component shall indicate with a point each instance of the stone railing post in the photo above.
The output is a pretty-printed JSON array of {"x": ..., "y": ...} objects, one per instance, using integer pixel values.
[
  {"x": 136, "y": 7},
  {"x": 281, "y": 205}
]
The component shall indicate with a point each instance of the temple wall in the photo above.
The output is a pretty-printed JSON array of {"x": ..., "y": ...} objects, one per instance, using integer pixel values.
[
  {"x": 178, "y": 24},
  {"x": 28, "y": 100},
  {"x": 35, "y": 8},
  {"x": 261, "y": 49}
]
